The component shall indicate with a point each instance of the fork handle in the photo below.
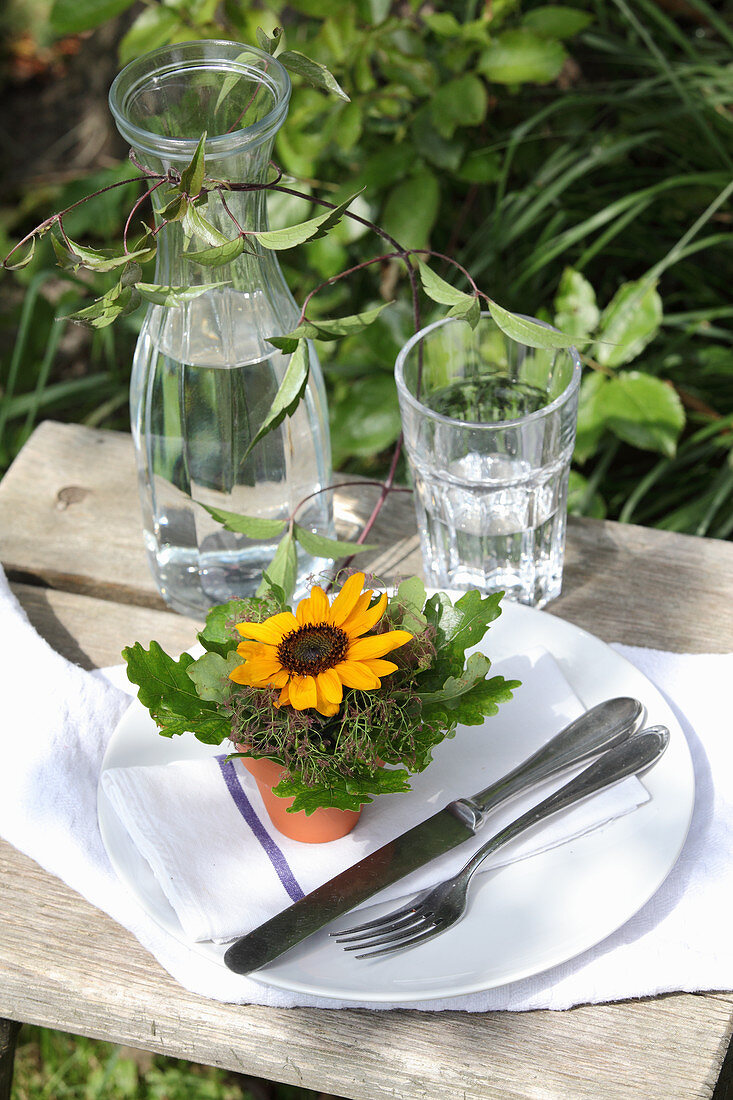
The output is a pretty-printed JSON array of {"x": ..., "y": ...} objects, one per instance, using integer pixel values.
[
  {"x": 602, "y": 726},
  {"x": 628, "y": 758}
]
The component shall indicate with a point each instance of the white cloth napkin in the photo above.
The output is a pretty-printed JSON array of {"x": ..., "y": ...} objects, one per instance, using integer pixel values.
[
  {"x": 58, "y": 720},
  {"x": 202, "y": 827}
]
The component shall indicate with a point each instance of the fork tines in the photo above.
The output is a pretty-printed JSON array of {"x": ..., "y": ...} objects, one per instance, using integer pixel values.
[{"x": 406, "y": 927}]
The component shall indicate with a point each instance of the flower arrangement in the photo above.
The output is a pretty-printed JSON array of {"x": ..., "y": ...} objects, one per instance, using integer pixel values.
[{"x": 349, "y": 696}]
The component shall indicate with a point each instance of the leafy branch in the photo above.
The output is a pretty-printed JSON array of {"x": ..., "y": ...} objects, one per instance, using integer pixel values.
[{"x": 183, "y": 197}]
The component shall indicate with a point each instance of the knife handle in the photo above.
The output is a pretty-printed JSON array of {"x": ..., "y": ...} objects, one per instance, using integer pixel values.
[{"x": 601, "y": 727}]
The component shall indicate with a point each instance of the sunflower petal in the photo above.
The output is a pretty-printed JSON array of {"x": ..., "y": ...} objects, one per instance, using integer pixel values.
[
  {"x": 302, "y": 692},
  {"x": 262, "y": 670},
  {"x": 329, "y": 686},
  {"x": 324, "y": 704},
  {"x": 343, "y": 605},
  {"x": 357, "y": 624},
  {"x": 272, "y": 631},
  {"x": 249, "y": 649},
  {"x": 380, "y": 668},
  {"x": 284, "y": 696},
  {"x": 377, "y": 645},
  {"x": 314, "y": 608},
  {"x": 357, "y": 611},
  {"x": 354, "y": 674},
  {"x": 240, "y": 675}
]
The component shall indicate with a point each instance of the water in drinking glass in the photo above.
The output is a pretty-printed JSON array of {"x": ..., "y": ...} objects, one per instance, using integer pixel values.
[{"x": 489, "y": 441}]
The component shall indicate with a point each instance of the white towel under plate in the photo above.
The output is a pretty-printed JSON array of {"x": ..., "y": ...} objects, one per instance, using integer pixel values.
[{"x": 59, "y": 719}]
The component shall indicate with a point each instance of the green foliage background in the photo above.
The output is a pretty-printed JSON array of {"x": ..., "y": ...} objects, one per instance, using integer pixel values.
[{"x": 575, "y": 158}]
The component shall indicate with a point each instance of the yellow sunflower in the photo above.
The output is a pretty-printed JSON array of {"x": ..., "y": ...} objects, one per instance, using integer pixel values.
[{"x": 312, "y": 655}]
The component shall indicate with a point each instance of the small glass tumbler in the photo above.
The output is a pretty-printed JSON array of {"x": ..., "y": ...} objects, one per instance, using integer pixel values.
[{"x": 489, "y": 429}]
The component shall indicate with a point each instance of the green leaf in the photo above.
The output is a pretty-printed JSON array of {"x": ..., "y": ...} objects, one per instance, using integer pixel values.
[
  {"x": 210, "y": 675},
  {"x": 318, "y": 546},
  {"x": 470, "y": 618},
  {"x": 166, "y": 690},
  {"x": 254, "y": 527},
  {"x": 118, "y": 301},
  {"x": 219, "y": 255},
  {"x": 591, "y": 415},
  {"x": 459, "y": 102},
  {"x": 556, "y": 21},
  {"x": 312, "y": 71},
  {"x": 576, "y": 312},
  {"x": 438, "y": 289},
  {"x": 289, "y": 394},
  {"x": 456, "y": 627},
  {"x": 173, "y": 295},
  {"x": 366, "y": 420},
  {"x": 582, "y": 500},
  {"x": 283, "y": 569},
  {"x": 464, "y": 306},
  {"x": 309, "y": 230},
  {"x": 196, "y": 225},
  {"x": 22, "y": 255},
  {"x": 75, "y": 16},
  {"x": 342, "y": 793},
  {"x": 481, "y": 166},
  {"x": 411, "y": 209},
  {"x": 528, "y": 332},
  {"x": 470, "y": 312},
  {"x": 72, "y": 255},
  {"x": 407, "y": 605},
  {"x": 628, "y": 323},
  {"x": 192, "y": 176},
  {"x": 520, "y": 56},
  {"x": 644, "y": 411},
  {"x": 175, "y": 210},
  {"x": 446, "y": 153},
  {"x": 267, "y": 42},
  {"x": 327, "y": 329},
  {"x": 476, "y": 668},
  {"x": 217, "y": 635},
  {"x": 153, "y": 27},
  {"x": 470, "y": 707}
]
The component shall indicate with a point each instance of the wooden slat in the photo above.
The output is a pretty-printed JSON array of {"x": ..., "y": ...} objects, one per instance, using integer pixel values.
[
  {"x": 92, "y": 632},
  {"x": 70, "y": 515},
  {"x": 65, "y": 964},
  {"x": 70, "y": 518}
]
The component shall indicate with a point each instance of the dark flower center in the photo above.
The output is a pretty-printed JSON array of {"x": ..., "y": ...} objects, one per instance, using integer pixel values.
[{"x": 312, "y": 649}]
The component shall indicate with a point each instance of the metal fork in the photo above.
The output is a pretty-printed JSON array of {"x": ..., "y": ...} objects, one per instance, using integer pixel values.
[{"x": 434, "y": 911}]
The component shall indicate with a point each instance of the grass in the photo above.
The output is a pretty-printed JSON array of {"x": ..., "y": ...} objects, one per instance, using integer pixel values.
[{"x": 51, "y": 1065}]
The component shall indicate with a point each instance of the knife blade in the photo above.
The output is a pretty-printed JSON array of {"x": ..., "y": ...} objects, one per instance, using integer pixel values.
[{"x": 597, "y": 729}]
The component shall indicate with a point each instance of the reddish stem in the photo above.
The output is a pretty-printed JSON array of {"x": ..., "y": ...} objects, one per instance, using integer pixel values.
[
  {"x": 56, "y": 217},
  {"x": 134, "y": 210}
]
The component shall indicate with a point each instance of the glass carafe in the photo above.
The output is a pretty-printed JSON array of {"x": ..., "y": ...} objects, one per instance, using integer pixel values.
[{"x": 204, "y": 375}]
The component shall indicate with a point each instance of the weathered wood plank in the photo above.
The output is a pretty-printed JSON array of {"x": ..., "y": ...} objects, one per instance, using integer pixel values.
[
  {"x": 92, "y": 632},
  {"x": 69, "y": 518},
  {"x": 70, "y": 515},
  {"x": 102, "y": 983}
]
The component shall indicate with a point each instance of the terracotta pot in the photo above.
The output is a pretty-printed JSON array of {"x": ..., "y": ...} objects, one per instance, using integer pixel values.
[{"x": 316, "y": 828}]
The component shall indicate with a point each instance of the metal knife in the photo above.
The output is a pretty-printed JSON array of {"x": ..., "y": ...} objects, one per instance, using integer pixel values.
[{"x": 598, "y": 729}]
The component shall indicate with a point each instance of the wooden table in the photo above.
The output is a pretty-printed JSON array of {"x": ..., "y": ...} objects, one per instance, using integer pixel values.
[{"x": 70, "y": 541}]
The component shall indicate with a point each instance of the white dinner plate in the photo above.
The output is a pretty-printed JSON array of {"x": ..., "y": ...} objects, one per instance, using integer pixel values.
[{"x": 522, "y": 918}]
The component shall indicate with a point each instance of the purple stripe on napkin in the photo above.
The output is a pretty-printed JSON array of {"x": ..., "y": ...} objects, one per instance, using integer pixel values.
[{"x": 243, "y": 804}]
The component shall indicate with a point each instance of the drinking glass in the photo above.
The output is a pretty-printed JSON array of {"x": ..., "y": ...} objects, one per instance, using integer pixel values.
[{"x": 489, "y": 428}]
